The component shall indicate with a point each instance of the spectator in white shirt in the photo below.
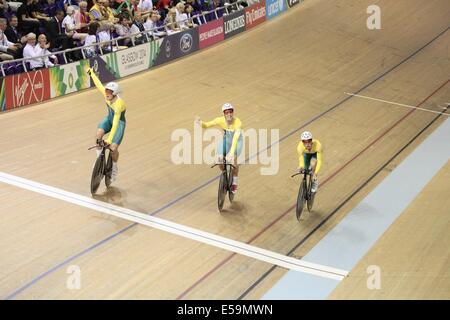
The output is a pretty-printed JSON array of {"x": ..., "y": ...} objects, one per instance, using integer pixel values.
[
  {"x": 145, "y": 5},
  {"x": 123, "y": 30},
  {"x": 6, "y": 45},
  {"x": 150, "y": 24},
  {"x": 32, "y": 50},
  {"x": 42, "y": 49},
  {"x": 90, "y": 39},
  {"x": 68, "y": 24},
  {"x": 181, "y": 17},
  {"x": 170, "y": 22},
  {"x": 145, "y": 8}
]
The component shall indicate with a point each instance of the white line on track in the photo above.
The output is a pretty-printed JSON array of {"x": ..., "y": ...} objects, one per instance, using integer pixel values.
[
  {"x": 397, "y": 104},
  {"x": 177, "y": 229}
]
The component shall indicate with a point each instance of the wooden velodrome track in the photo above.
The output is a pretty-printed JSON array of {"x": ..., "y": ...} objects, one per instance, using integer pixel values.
[{"x": 290, "y": 74}]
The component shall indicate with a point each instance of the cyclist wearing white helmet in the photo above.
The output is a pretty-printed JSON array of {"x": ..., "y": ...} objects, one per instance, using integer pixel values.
[
  {"x": 114, "y": 123},
  {"x": 310, "y": 156},
  {"x": 233, "y": 139}
]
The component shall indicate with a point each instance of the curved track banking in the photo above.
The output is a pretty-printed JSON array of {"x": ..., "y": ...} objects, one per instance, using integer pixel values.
[{"x": 122, "y": 260}]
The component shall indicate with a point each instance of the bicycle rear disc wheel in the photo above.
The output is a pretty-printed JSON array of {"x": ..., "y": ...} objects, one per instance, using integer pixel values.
[
  {"x": 300, "y": 201},
  {"x": 222, "y": 192},
  {"x": 108, "y": 170},
  {"x": 97, "y": 174}
]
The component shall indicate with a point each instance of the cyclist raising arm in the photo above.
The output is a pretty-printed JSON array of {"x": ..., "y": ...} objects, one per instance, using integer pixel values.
[
  {"x": 114, "y": 123},
  {"x": 310, "y": 156},
  {"x": 233, "y": 139}
]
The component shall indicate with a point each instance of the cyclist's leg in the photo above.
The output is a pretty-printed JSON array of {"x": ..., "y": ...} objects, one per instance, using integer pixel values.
[
  {"x": 115, "y": 148},
  {"x": 236, "y": 156},
  {"x": 307, "y": 160},
  {"x": 103, "y": 128},
  {"x": 220, "y": 153},
  {"x": 315, "y": 182},
  {"x": 238, "y": 151}
]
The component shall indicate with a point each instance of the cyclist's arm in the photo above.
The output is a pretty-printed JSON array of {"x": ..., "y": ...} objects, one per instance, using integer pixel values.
[
  {"x": 301, "y": 158},
  {"x": 319, "y": 162},
  {"x": 319, "y": 158},
  {"x": 237, "y": 133},
  {"x": 97, "y": 82},
  {"x": 208, "y": 124},
  {"x": 115, "y": 123}
]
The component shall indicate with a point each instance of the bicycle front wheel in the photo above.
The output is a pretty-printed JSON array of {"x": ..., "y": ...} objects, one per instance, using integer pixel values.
[
  {"x": 222, "y": 192},
  {"x": 108, "y": 170},
  {"x": 230, "y": 181},
  {"x": 300, "y": 201},
  {"x": 97, "y": 174}
]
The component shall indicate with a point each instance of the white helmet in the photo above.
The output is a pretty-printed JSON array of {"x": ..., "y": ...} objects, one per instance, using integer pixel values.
[
  {"x": 306, "y": 135},
  {"x": 227, "y": 106},
  {"x": 114, "y": 87}
]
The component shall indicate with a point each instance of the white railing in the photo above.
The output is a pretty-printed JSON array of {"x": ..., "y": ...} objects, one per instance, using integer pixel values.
[{"x": 100, "y": 45}]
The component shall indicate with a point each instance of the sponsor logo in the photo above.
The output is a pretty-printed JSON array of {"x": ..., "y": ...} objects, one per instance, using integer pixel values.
[
  {"x": 275, "y": 7},
  {"x": 234, "y": 24},
  {"x": 211, "y": 33},
  {"x": 253, "y": 15},
  {"x": 186, "y": 42},
  {"x": 135, "y": 58},
  {"x": 27, "y": 88},
  {"x": 168, "y": 48}
]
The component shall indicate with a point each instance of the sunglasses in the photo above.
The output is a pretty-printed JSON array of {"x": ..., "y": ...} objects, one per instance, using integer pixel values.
[{"x": 307, "y": 141}]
